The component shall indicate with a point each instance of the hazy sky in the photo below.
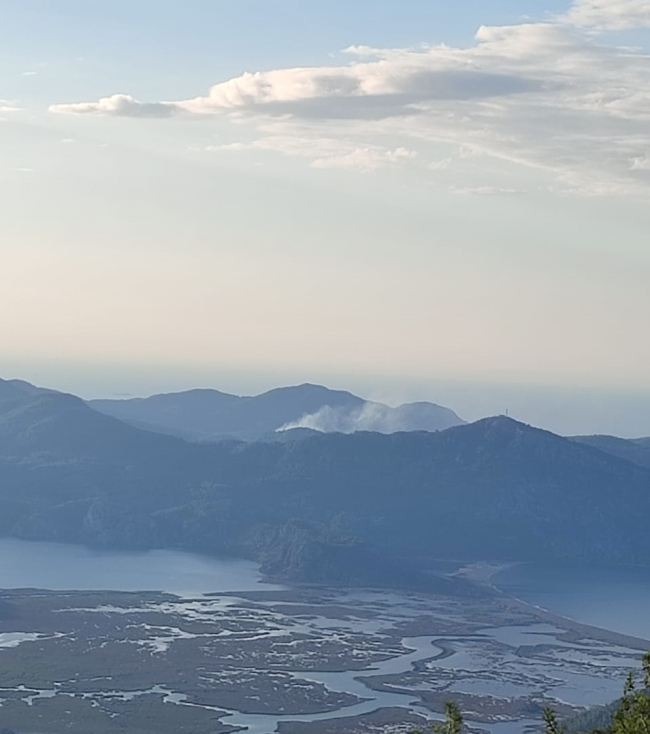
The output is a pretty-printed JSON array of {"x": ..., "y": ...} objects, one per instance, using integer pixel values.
[{"x": 407, "y": 199}]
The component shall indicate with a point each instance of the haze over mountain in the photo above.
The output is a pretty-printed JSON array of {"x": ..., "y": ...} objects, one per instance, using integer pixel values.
[
  {"x": 361, "y": 508},
  {"x": 210, "y": 414}
]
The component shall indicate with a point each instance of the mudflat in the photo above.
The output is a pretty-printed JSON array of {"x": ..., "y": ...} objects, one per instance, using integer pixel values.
[{"x": 309, "y": 659}]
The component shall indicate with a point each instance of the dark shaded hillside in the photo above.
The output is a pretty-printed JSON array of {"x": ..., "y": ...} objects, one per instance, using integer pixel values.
[
  {"x": 495, "y": 488},
  {"x": 360, "y": 508},
  {"x": 210, "y": 414},
  {"x": 636, "y": 450},
  {"x": 62, "y": 426}
]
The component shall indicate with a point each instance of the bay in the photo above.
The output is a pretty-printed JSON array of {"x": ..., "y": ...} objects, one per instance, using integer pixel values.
[
  {"x": 61, "y": 567},
  {"x": 612, "y": 598}
]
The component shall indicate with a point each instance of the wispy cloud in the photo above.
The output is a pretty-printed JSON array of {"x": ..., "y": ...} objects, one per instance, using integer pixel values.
[
  {"x": 8, "y": 106},
  {"x": 486, "y": 191},
  {"x": 327, "y": 152},
  {"x": 369, "y": 158},
  {"x": 545, "y": 95}
]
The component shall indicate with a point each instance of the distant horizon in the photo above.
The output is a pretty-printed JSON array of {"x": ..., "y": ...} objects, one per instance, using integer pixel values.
[
  {"x": 417, "y": 201},
  {"x": 558, "y": 409}
]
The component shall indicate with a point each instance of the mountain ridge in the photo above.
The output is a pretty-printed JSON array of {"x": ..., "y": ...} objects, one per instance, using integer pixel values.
[
  {"x": 206, "y": 414},
  {"x": 636, "y": 450},
  {"x": 323, "y": 507}
]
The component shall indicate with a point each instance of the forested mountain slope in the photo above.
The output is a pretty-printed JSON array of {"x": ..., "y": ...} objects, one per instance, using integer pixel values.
[{"x": 321, "y": 507}]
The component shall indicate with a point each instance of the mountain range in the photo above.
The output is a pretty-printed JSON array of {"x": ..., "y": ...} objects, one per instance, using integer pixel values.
[
  {"x": 208, "y": 415},
  {"x": 355, "y": 508}
]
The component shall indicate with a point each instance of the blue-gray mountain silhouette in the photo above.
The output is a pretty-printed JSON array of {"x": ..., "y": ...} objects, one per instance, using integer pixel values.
[
  {"x": 359, "y": 508},
  {"x": 211, "y": 414}
]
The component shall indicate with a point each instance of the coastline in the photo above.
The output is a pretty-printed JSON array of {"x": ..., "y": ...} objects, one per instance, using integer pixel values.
[
  {"x": 315, "y": 643},
  {"x": 298, "y": 636},
  {"x": 485, "y": 573},
  {"x": 579, "y": 630}
]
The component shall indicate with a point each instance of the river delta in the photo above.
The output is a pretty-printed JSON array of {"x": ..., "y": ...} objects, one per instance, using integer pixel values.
[{"x": 295, "y": 661}]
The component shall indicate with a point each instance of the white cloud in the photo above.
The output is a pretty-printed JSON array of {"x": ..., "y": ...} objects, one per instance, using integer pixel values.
[
  {"x": 543, "y": 95},
  {"x": 366, "y": 159},
  {"x": 612, "y": 15},
  {"x": 119, "y": 105}
]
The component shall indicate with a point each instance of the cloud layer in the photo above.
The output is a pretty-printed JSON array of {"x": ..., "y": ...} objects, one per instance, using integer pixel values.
[
  {"x": 120, "y": 105},
  {"x": 544, "y": 95}
]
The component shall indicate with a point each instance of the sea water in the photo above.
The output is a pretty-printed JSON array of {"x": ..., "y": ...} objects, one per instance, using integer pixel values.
[{"x": 616, "y": 599}]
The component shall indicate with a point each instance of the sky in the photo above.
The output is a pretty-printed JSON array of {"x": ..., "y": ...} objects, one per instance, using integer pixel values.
[{"x": 410, "y": 200}]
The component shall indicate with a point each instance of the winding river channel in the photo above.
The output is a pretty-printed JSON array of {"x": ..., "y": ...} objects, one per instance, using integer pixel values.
[{"x": 488, "y": 662}]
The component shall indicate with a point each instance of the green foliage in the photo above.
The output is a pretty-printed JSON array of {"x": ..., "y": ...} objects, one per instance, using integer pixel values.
[
  {"x": 453, "y": 723},
  {"x": 633, "y": 713},
  {"x": 630, "y": 715},
  {"x": 551, "y": 723}
]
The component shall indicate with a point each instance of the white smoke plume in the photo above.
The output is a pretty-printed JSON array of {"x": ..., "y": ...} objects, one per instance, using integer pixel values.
[{"x": 378, "y": 418}]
